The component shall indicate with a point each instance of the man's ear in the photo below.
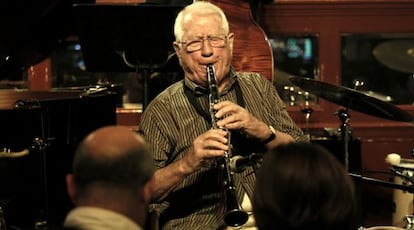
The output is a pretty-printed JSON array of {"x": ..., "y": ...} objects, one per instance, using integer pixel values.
[
  {"x": 177, "y": 50},
  {"x": 71, "y": 187},
  {"x": 230, "y": 38}
]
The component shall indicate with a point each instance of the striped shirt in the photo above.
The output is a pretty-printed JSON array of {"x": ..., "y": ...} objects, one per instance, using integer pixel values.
[{"x": 170, "y": 123}]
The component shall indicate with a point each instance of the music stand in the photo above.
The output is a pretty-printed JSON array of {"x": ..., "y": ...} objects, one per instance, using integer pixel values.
[{"x": 126, "y": 38}]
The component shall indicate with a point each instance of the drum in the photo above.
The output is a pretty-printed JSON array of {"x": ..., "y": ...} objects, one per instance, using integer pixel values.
[
  {"x": 403, "y": 200},
  {"x": 384, "y": 228}
]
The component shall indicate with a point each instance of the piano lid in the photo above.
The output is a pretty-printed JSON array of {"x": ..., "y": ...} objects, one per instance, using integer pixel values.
[{"x": 30, "y": 31}]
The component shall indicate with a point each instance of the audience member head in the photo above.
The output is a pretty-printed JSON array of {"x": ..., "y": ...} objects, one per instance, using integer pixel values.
[
  {"x": 303, "y": 186},
  {"x": 112, "y": 169}
]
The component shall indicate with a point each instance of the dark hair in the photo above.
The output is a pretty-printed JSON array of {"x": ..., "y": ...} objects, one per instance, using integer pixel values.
[
  {"x": 303, "y": 186},
  {"x": 130, "y": 170}
]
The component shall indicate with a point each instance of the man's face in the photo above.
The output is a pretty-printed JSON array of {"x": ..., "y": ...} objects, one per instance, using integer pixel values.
[{"x": 204, "y": 42}]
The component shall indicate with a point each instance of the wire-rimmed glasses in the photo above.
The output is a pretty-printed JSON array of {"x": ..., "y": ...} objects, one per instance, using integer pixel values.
[{"x": 196, "y": 44}]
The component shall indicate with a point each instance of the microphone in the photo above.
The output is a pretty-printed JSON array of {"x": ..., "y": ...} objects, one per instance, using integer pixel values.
[{"x": 239, "y": 163}]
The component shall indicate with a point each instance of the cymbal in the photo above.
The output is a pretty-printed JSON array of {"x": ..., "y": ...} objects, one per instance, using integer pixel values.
[
  {"x": 396, "y": 54},
  {"x": 352, "y": 99}
]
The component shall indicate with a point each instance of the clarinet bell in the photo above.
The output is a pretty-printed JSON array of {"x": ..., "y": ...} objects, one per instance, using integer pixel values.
[{"x": 235, "y": 216}]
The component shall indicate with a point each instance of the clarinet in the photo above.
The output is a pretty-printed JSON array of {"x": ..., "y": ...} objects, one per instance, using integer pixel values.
[{"x": 234, "y": 216}]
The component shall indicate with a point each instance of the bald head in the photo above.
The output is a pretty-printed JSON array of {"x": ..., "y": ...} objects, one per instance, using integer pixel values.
[
  {"x": 113, "y": 156},
  {"x": 112, "y": 141},
  {"x": 113, "y": 170}
]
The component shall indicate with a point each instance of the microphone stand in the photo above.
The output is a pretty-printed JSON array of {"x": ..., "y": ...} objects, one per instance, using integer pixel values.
[{"x": 370, "y": 180}]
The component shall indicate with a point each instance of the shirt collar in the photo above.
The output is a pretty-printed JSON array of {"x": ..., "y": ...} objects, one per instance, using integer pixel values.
[
  {"x": 86, "y": 217},
  {"x": 201, "y": 90}
]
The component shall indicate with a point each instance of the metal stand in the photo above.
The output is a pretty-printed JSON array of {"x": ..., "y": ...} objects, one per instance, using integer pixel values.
[
  {"x": 345, "y": 134},
  {"x": 126, "y": 38}
]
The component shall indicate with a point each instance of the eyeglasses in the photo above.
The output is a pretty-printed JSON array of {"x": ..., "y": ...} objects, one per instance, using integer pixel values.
[{"x": 196, "y": 44}]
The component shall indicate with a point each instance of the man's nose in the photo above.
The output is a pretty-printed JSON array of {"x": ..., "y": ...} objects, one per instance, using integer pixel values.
[{"x": 206, "y": 48}]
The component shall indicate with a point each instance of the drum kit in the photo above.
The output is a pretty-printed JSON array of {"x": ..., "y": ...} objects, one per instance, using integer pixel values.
[
  {"x": 404, "y": 199},
  {"x": 402, "y": 169}
]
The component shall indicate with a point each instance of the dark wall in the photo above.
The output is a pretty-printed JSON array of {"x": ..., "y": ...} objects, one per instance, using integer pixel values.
[{"x": 33, "y": 186}]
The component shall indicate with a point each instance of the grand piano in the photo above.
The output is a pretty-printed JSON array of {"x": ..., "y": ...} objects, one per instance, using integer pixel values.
[{"x": 40, "y": 130}]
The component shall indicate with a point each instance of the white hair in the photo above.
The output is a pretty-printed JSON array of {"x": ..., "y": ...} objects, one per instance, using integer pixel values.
[{"x": 201, "y": 8}]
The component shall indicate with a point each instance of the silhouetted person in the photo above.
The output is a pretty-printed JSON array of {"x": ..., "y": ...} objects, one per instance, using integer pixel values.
[
  {"x": 302, "y": 186},
  {"x": 112, "y": 181}
]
